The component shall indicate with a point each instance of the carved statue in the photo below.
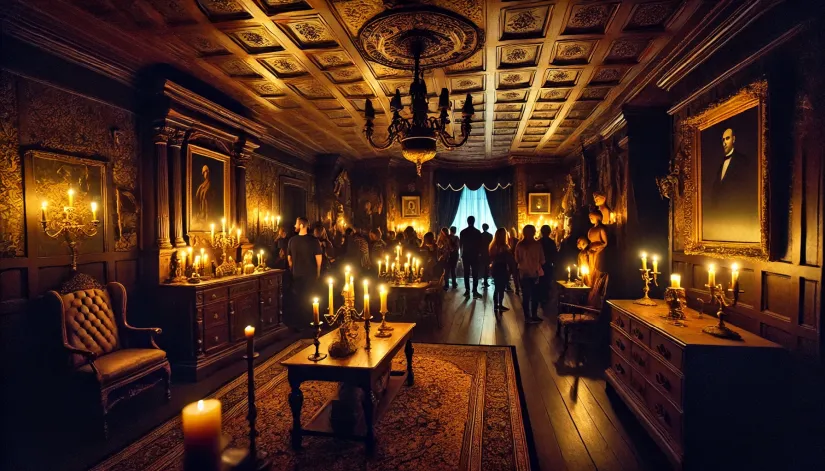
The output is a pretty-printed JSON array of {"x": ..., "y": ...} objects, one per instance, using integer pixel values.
[
  {"x": 597, "y": 237},
  {"x": 568, "y": 200},
  {"x": 248, "y": 266},
  {"x": 601, "y": 204},
  {"x": 340, "y": 184},
  {"x": 226, "y": 268}
]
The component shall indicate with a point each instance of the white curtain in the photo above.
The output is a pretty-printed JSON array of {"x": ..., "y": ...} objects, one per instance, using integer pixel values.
[{"x": 473, "y": 203}]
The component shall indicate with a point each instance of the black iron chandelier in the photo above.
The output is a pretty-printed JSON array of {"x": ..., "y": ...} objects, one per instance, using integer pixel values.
[{"x": 416, "y": 38}]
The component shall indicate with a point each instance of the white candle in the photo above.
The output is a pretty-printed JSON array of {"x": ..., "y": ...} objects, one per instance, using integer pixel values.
[
  {"x": 201, "y": 423},
  {"x": 197, "y": 263},
  {"x": 366, "y": 306},
  {"x": 189, "y": 250},
  {"x": 734, "y": 273},
  {"x": 205, "y": 258},
  {"x": 43, "y": 211},
  {"x": 675, "y": 281},
  {"x": 655, "y": 264},
  {"x": 260, "y": 257},
  {"x": 316, "y": 316},
  {"x": 352, "y": 286},
  {"x": 712, "y": 275},
  {"x": 212, "y": 232},
  {"x": 94, "y": 211},
  {"x": 223, "y": 225},
  {"x": 329, "y": 280},
  {"x": 239, "y": 235},
  {"x": 278, "y": 221},
  {"x": 379, "y": 267},
  {"x": 71, "y": 197},
  {"x": 644, "y": 260},
  {"x": 568, "y": 271},
  {"x": 382, "y": 294}
]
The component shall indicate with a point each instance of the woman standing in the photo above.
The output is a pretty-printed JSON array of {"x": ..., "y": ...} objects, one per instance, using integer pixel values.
[
  {"x": 503, "y": 265},
  {"x": 530, "y": 258},
  {"x": 429, "y": 257},
  {"x": 445, "y": 251}
]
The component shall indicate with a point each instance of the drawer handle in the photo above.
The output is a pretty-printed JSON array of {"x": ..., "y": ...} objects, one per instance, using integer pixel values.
[
  {"x": 619, "y": 368},
  {"x": 662, "y": 413},
  {"x": 638, "y": 334},
  {"x": 232, "y": 309},
  {"x": 663, "y": 351},
  {"x": 269, "y": 300},
  {"x": 271, "y": 320},
  {"x": 214, "y": 296},
  {"x": 664, "y": 382},
  {"x": 638, "y": 359},
  {"x": 620, "y": 344},
  {"x": 619, "y": 322},
  {"x": 640, "y": 388},
  {"x": 215, "y": 316},
  {"x": 216, "y": 339}
]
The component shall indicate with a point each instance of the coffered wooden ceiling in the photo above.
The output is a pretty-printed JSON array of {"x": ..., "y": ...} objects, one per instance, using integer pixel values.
[{"x": 546, "y": 70}]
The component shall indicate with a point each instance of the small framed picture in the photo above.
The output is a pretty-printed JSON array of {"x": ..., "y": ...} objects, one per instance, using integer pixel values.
[
  {"x": 538, "y": 203},
  {"x": 410, "y": 206}
]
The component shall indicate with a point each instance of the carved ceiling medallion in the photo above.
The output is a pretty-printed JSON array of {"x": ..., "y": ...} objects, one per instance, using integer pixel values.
[
  {"x": 590, "y": 18},
  {"x": 558, "y": 77},
  {"x": 255, "y": 40},
  {"x": 283, "y": 66},
  {"x": 310, "y": 88},
  {"x": 519, "y": 56},
  {"x": 511, "y": 95},
  {"x": 528, "y": 22},
  {"x": 651, "y": 15},
  {"x": 554, "y": 94},
  {"x": 515, "y": 79},
  {"x": 609, "y": 75},
  {"x": 474, "y": 63},
  {"x": 344, "y": 75},
  {"x": 509, "y": 107},
  {"x": 626, "y": 50},
  {"x": 273, "y": 7},
  {"x": 573, "y": 52},
  {"x": 392, "y": 37},
  {"x": 308, "y": 32},
  {"x": 223, "y": 10}
]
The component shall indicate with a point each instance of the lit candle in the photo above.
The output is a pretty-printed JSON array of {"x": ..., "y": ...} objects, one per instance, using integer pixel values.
[
  {"x": 612, "y": 217},
  {"x": 568, "y": 271},
  {"x": 712, "y": 274},
  {"x": 197, "y": 263},
  {"x": 189, "y": 252},
  {"x": 367, "y": 306},
  {"x": 94, "y": 211},
  {"x": 71, "y": 197},
  {"x": 278, "y": 221},
  {"x": 379, "y": 267},
  {"x": 352, "y": 286},
  {"x": 406, "y": 268},
  {"x": 260, "y": 257},
  {"x": 366, "y": 286},
  {"x": 329, "y": 280},
  {"x": 644, "y": 260},
  {"x": 212, "y": 231},
  {"x": 183, "y": 255},
  {"x": 346, "y": 272},
  {"x": 43, "y": 211},
  {"x": 734, "y": 273},
  {"x": 249, "y": 333},
  {"x": 386, "y": 261},
  {"x": 201, "y": 423},
  {"x": 675, "y": 281},
  {"x": 655, "y": 264},
  {"x": 223, "y": 225},
  {"x": 205, "y": 259},
  {"x": 393, "y": 267},
  {"x": 203, "y": 251},
  {"x": 239, "y": 235},
  {"x": 316, "y": 315},
  {"x": 382, "y": 294}
]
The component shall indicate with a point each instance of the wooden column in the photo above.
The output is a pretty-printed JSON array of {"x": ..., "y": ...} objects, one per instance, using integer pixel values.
[
  {"x": 241, "y": 156},
  {"x": 162, "y": 186},
  {"x": 175, "y": 143}
]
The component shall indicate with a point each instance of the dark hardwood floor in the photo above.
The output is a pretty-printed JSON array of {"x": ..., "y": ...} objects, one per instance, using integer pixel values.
[{"x": 576, "y": 424}]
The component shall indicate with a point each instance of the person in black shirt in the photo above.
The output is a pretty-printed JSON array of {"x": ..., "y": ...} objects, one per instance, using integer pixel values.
[
  {"x": 470, "y": 254},
  {"x": 453, "y": 261},
  {"x": 304, "y": 257},
  {"x": 550, "y": 252},
  {"x": 484, "y": 259}
]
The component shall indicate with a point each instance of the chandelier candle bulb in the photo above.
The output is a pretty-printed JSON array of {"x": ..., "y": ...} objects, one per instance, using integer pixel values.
[
  {"x": 239, "y": 235},
  {"x": 278, "y": 221},
  {"x": 379, "y": 268},
  {"x": 43, "y": 211},
  {"x": 196, "y": 264},
  {"x": 212, "y": 232},
  {"x": 201, "y": 423},
  {"x": 644, "y": 260},
  {"x": 331, "y": 310},
  {"x": 316, "y": 314},
  {"x": 94, "y": 211},
  {"x": 712, "y": 275},
  {"x": 675, "y": 281},
  {"x": 655, "y": 264}
]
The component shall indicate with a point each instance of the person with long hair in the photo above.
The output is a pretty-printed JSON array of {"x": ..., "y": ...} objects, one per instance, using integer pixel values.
[
  {"x": 428, "y": 253},
  {"x": 443, "y": 244},
  {"x": 327, "y": 250},
  {"x": 503, "y": 265},
  {"x": 530, "y": 258}
]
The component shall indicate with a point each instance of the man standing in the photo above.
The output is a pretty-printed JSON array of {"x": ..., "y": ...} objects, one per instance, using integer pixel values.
[
  {"x": 453, "y": 260},
  {"x": 549, "y": 248},
  {"x": 484, "y": 258},
  {"x": 470, "y": 239},
  {"x": 304, "y": 257}
]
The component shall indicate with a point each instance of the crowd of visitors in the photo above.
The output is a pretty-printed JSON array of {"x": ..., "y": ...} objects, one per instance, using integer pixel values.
[{"x": 526, "y": 260}]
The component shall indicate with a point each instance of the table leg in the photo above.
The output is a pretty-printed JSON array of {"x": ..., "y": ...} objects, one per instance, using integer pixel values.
[
  {"x": 408, "y": 350},
  {"x": 296, "y": 402},
  {"x": 369, "y": 409}
]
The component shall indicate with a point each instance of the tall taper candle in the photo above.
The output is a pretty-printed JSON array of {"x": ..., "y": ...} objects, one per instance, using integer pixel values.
[
  {"x": 331, "y": 310},
  {"x": 212, "y": 232},
  {"x": 71, "y": 197},
  {"x": 712, "y": 275},
  {"x": 734, "y": 274},
  {"x": 644, "y": 260},
  {"x": 655, "y": 264},
  {"x": 382, "y": 293},
  {"x": 43, "y": 211},
  {"x": 94, "y": 211},
  {"x": 201, "y": 422},
  {"x": 316, "y": 315},
  {"x": 249, "y": 333},
  {"x": 675, "y": 281}
]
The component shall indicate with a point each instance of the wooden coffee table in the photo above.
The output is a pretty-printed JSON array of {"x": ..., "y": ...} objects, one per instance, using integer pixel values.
[{"x": 362, "y": 369}]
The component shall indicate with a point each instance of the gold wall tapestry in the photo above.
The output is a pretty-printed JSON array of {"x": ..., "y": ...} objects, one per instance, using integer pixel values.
[
  {"x": 261, "y": 193},
  {"x": 207, "y": 189},
  {"x": 724, "y": 210},
  {"x": 12, "y": 219}
]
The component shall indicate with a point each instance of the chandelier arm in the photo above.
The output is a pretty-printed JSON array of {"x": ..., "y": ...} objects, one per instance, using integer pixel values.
[
  {"x": 450, "y": 141},
  {"x": 381, "y": 145}
]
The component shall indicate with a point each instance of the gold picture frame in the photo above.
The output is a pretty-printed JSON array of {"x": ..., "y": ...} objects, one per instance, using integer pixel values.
[
  {"x": 538, "y": 203},
  {"x": 410, "y": 206},
  {"x": 219, "y": 164},
  {"x": 750, "y": 99}
]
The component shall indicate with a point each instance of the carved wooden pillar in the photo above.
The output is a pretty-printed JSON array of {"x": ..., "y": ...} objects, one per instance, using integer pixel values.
[
  {"x": 162, "y": 186},
  {"x": 175, "y": 143},
  {"x": 242, "y": 159}
]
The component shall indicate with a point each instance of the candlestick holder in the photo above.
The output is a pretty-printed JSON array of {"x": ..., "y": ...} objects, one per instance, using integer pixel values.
[
  {"x": 384, "y": 329},
  {"x": 645, "y": 300},
  {"x": 72, "y": 229},
  {"x": 367, "y": 319},
  {"x": 676, "y": 302},
  {"x": 717, "y": 295},
  {"x": 345, "y": 345},
  {"x": 256, "y": 460},
  {"x": 317, "y": 356},
  {"x": 223, "y": 242}
]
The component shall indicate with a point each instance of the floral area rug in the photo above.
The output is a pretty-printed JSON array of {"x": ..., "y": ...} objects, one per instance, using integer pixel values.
[{"x": 465, "y": 411}]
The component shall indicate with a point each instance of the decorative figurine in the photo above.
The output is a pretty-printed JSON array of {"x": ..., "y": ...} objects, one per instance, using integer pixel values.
[
  {"x": 601, "y": 205},
  {"x": 248, "y": 266},
  {"x": 597, "y": 242}
]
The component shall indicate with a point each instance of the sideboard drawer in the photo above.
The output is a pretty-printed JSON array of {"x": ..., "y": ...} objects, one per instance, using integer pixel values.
[
  {"x": 621, "y": 320},
  {"x": 639, "y": 384},
  {"x": 667, "y": 416},
  {"x": 270, "y": 282},
  {"x": 667, "y": 349},
  {"x": 639, "y": 358},
  {"x": 243, "y": 288},
  {"x": 211, "y": 295},
  {"x": 214, "y": 314},
  {"x": 640, "y": 332},
  {"x": 620, "y": 342},
  {"x": 269, "y": 298},
  {"x": 666, "y": 380},
  {"x": 215, "y": 337},
  {"x": 620, "y": 366}
]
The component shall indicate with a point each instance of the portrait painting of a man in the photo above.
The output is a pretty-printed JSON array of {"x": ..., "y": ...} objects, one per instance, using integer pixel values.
[
  {"x": 538, "y": 203},
  {"x": 208, "y": 174},
  {"x": 730, "y": 193},
  {"x": 410, "y": 206}
]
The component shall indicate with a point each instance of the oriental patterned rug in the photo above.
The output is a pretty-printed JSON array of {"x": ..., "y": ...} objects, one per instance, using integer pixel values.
[{"x": 465, "y": 411}]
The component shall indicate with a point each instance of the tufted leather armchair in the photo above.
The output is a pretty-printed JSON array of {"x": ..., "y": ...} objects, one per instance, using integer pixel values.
[{"x": 102, "y": 347}]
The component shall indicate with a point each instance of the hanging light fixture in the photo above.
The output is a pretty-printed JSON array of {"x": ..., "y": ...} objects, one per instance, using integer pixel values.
[{"x": 419, "y": 37}]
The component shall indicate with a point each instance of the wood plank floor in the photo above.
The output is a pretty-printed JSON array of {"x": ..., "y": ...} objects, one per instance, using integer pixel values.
[{"x": 576, "y": 423}]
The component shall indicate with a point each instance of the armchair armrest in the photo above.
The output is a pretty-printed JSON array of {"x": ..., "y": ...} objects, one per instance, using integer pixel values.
[
  {"x": 146, "y": 333},
  {"x": 88, "y": 355},
  {"x": 583, "y": 308}
]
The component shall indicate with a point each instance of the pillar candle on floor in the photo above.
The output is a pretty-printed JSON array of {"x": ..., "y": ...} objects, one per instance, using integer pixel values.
[{"x": 201, "y": 422}]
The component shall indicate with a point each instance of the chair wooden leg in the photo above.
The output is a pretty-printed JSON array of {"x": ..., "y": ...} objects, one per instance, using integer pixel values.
[
  {"x": 168, "y": 381},
  {"x": 104, "y": 412},
  {"x": 566, "y": 340}
]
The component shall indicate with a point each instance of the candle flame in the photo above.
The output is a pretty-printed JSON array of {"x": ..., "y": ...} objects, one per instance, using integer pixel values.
[
  {"x": 734, "y": 267},
  {"x": 94, "y": 206},
  {"x": 314, "y": 300},
  {"x": 644, "y": 254},
  {"x": 382, "y": 289},
  {"x": 71, "y": 191},
  {"x": 200, "y": 405},
  {"x": 329, "y": 280},
  {"x": 655, "y": 258},
  {"x": 43, "y": 205},
  {"x": 712, "y": 267}
]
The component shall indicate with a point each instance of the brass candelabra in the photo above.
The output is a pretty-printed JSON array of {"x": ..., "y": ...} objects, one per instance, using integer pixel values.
[
  {"x": 344, "y": 318},
  {"x": 717, "y": 295},
  {"x": 645, "y": 300},
  {"x": 71, "y": 228},
  {"x": 224, "y": 241}
]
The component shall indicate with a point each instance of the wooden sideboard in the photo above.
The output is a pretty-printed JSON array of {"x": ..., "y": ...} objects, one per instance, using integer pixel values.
[
  {"x": 203, "y": 324},
  {"x": 709, "y": 403}
]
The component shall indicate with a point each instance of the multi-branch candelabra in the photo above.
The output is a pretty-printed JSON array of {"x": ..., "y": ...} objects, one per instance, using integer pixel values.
[
  {"x": 717, "y": 295},
  {"x": 646, "y": 277},
  {"x": 70, "y": 227},
  {"x": 345, "y": 345},
  {"x": 224, "y": 241}
]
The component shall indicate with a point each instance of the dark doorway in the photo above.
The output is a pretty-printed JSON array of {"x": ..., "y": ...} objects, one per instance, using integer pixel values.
[{"x": 293, "y": 205}]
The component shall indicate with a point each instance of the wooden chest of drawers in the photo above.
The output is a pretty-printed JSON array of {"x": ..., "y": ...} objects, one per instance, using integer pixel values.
[
  {"x": 203, "y": 323},
  {"x": 693, "y": 392}
]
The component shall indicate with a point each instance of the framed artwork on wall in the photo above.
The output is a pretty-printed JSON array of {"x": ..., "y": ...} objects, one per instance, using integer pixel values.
[
  {"x": 207, "y": 189},
  {"x": 410, "y": 206},
  {"x": 728, "y": 181},
  {"x": 538, "y": 203}
]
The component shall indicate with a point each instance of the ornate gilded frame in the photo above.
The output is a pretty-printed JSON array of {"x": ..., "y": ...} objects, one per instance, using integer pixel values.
[
  {"x": 532, "y": 196},
  {"x": 414, "y": 199},
  {"x": 753, "y": 95},
  {"x": 227, "y": 185}
]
